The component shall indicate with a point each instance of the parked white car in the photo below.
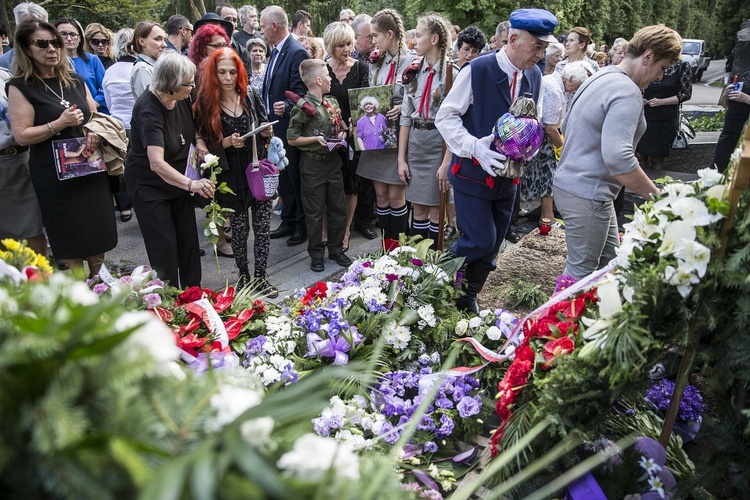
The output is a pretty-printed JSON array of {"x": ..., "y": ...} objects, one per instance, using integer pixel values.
[{"x": 696, "y": 54}]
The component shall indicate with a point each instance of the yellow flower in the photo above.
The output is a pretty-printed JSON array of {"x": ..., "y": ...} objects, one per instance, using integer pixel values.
[{"x": 11, "y": 244}]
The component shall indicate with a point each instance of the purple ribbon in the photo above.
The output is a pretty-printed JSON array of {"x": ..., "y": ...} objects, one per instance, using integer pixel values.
[
  {"x": 585, "y": 488},
  {"x": 334, "y": 347},
  {"x": 425, "y": 479}
]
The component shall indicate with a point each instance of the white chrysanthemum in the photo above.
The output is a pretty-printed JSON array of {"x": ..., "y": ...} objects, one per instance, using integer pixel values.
[
  {"x": 270, "y": 375},
  {"x": 231, "y": 402},
  {"x": 708, "y": 177},
  {"x": 257, "y": 433},
  {"x": 151, "y": 337},
  {"x": 693, "y": 211},
  {"x": 494, "y": 333},
  {"x": 427, "y": 313},
  {"x": 675, "y": 235},
  {"x": 372, "y": 293},
  {"x": 462, "y": 327},
  {"x": 694, "y": 256},
  {"x": 312, "y": 456},
  {"x": 475, "y": 322}
]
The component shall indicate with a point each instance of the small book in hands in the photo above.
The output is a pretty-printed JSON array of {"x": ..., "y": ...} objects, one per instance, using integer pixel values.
[{"x": 74, "y": 159}]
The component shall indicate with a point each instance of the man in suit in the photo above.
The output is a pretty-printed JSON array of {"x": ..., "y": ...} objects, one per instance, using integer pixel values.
[
  {"x": 482, "y": 92},
  {"x": 282, "y": 75}
]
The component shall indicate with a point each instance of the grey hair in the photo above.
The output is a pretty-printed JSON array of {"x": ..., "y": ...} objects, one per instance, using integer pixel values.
[
  {"x": 244, "y": 11},
  {"x": 503, "y": 26},
  {"x": 577, "y": 72},
  {"x": 553, "y": 48},
  {"x": 360, "y": 21},
  {"x": 348, "y": 12},
  {"x": 170, "y": 70},
  {"x": 29, "y": 11},
  {"x": 368, "y": 99},
  {"x": 123, "y": 40},
  {"x": 276, "y": 14}
]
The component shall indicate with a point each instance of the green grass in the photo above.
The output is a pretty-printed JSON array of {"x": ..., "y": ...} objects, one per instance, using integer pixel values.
[
  {"x": 717, "y": 83},
  {"x": 709, "y": 123}
]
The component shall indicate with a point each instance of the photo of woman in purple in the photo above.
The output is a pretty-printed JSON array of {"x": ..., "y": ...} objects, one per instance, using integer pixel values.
[{"x": 371, "y": 126}]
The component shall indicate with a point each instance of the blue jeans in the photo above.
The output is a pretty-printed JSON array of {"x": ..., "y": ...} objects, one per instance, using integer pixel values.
[{"x": 590, "y": 232}]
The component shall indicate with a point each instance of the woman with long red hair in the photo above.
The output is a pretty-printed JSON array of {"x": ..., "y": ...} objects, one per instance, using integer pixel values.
[
  {"x": 207, "y": 39},
  {"x": 224, "y": 111}
]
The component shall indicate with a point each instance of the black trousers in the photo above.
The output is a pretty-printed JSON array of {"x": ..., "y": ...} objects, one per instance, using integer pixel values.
[
  {"x": 323, "y": 190},
  {"x": 290, "y": 190},
  {"x": 171, "y": 238},
  {"x": 737, "y": 115}
]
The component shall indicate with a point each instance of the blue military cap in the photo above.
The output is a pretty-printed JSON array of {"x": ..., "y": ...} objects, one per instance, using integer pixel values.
[{"x": 539, "y": 23}]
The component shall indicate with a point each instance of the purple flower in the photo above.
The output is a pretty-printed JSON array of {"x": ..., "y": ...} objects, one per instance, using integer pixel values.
[
  {"x": 691, "y": 407},
  {"x": 444, "y": 403},
  {"x": 374, "y": 307},
  {"x": 426, "y": 424},
  {"x": 288, "y": 374},
  {"x": 430, "y": 447},
  {"x": 564, "y": 281},
  {"x": 389, "y": 433},
  {"x": 255, "y": 346},
  {"x": 126, "y": 280},
  {"x": 151, "y": 300},
  {"x": 417, "y": 262},
  {"x": 367, "y": 264},
  {"x": 446, "y": 426},
  {"x": 468, "y": 406},
  {"x": 391, "y": 277},
  {"x": 424, "y": 360},
  {"x": 156, "y": 282},
  {"x": 100, "y": 289},
  {"x": 336, "y": 422},
  {"x": 320, "y": 426}
]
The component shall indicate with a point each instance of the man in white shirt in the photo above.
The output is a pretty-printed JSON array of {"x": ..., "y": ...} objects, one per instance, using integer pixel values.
[
  {"x": 483, "y": 91},
  {"x": 301, "y": 21}
]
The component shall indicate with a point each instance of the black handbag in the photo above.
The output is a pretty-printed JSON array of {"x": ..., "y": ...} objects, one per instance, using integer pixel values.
[{"x": 685, "y": 133}]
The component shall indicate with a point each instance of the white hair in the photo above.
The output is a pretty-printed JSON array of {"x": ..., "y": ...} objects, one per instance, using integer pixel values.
[
  {"x": 577, "y": 72},
  {"x": 360, "y": 21},
  {"x": 244, "y": 11},
  {"x": 29, "y": 11},
  {"x": 369, "y": 100},
  {"x": 123, "y": 40},
  {"x": 553, "y": 48},
  {"x": 170, "y": 70},
  {"x": 275, "y": 14}
]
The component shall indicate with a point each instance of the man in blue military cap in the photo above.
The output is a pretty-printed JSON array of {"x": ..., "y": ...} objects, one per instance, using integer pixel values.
[{"x": 482, "y": 93}]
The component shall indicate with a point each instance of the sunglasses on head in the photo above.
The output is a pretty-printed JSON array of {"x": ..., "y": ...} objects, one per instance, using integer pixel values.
[
  {"x": 97, "y": 41},
  {"x": 43, "y": 44}
]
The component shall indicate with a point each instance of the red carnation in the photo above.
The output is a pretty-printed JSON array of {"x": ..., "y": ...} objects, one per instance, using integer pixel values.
[{"x": 192, "y": 294}]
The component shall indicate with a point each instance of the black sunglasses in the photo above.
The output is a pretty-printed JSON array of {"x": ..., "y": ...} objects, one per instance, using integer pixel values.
[
  {"x": 43, "y": 44},
  {"x": 97, "y": 41}
]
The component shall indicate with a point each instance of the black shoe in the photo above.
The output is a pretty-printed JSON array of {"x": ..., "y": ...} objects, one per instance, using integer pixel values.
[
  {"x": 341, "y": 259},
  {"x": 126, "y": 217},
  {"x": 267, "y": 289},
  {"x": 297, "y": 238},
  {"x": 62, "y": 265},
  {"x": 513, "y": 237},
  {"x": 282, "y": 231},
  {"x": 243, "y": 281},
  {"x": 368, "y": 233},
  {"x": 317, "y": 265},
  {"x": 201, "y": 252},
  {"x": 224, "y": 254}
]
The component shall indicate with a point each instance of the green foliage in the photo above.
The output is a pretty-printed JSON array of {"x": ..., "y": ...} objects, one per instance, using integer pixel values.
[
  {"x": 709, "y": 123},
  {"x": 519, "y": 293}
]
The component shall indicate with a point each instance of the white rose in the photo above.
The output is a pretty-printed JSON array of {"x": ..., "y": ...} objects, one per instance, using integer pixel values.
[
  {"x": 475, "y": 322},
  {"x": 494, "y": 333},
  {"x": 462, "y": 327}
]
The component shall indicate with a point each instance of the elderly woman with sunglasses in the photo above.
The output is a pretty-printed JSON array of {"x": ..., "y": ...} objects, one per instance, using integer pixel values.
[
  {"x": 99, "y": 41},
  {"x": 85, "y": 63},
  {"x": 161, "y": 134},
  {"x": 48, "y": 102}
]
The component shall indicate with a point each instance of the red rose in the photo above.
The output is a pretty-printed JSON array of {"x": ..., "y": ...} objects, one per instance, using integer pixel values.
[{"x": 192, "y": 294}]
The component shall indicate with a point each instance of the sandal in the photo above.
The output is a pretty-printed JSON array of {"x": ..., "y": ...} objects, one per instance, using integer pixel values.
[{"x": 449, "y": 232}]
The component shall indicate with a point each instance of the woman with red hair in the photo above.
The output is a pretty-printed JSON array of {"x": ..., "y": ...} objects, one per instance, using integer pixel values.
[
  {"x": 207, "y": 39},
  {"x": 224, "y": 111}
]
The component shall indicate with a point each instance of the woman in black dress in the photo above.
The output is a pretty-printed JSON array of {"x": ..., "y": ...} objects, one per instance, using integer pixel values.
[
  {"x": 161, "y": 133},
  {"x": 346, "y": 73},
  {"x": 224, "y": 111},
  {"x": 48, "y": 102},
  {"x": 661, "y": 101}
]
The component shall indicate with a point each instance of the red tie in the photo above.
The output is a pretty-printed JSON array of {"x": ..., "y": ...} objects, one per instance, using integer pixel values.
[
  {"x": 424, "y": 102},
  {"x": 391, "y": 74},
  {"x": 513, "y": 87}
]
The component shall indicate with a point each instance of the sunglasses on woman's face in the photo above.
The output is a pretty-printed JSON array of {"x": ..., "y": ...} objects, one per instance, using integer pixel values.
[
  {"x": 44, "y": 44},
  {"x": 99, "y": 41}
]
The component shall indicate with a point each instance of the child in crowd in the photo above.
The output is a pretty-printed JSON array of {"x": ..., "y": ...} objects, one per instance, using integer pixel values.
[
  {"x": 311, "y": 126},
  {"x": 421, "y": 162}
]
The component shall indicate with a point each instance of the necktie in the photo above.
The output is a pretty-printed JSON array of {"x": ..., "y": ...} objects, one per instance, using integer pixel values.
[
  {"x": 269, "y": 73},
  {"x": 391, "y": 74},
  {"x": 424, "y": 102},
  {"x": 513, "y": 87}
]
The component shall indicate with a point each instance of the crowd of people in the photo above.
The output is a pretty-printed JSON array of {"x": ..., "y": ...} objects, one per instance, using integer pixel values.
[{"x": 204, "y": 85}]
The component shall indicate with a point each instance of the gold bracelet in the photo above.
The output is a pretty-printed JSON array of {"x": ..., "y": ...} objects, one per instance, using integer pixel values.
[{"x": 52, "y": 130}]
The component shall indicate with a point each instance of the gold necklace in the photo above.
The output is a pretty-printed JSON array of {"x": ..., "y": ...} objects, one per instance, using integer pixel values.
[{"x": 64, "y": 103}]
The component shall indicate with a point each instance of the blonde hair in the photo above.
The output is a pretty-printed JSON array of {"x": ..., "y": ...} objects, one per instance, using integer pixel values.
[
  {"x": 24, "y": 67},
  {"x": 664, "y": 42},
  {"x": 337, "y": 33},
  {"x": 437, "y": 25},
  {"x": 390, "y": 20},
  {"x": 310, "y": 69},
  {"x": 94, "y": 29}
]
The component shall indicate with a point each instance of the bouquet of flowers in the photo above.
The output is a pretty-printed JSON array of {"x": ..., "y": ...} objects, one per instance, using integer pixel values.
[
  {"x": 141, "y": 287},
  {"x": 21, "y": 263},
  {"x": 271, "y": 356}
]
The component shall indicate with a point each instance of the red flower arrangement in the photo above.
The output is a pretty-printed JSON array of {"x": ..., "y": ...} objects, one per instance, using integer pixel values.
[
  {"x": 195, "y": 324},
  {"x": 552, "y": 333}
]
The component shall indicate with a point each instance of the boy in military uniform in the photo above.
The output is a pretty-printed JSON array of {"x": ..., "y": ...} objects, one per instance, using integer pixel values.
[{"x": 313, "y": 123}]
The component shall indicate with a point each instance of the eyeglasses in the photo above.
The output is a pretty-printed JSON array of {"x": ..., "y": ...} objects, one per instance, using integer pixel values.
[
  {"x": 217, "y": 45},
  {"x": 191, "y": 85},
  {"x": 188, "y": 29},
  {"x": 231, "y": 19},
  {"x": 99, "y": 41},
  {"x": 72, "y": 36},
  {"x": 44, "y": 44}
]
